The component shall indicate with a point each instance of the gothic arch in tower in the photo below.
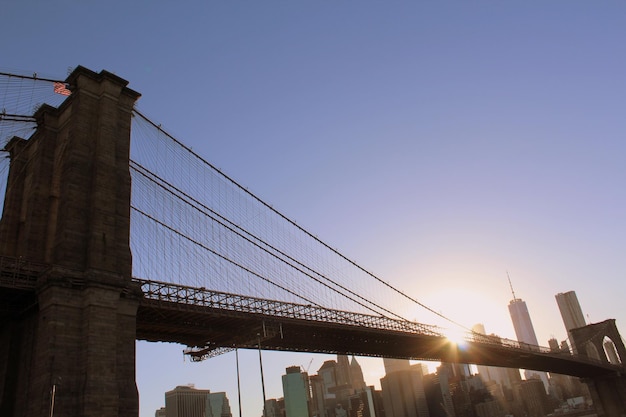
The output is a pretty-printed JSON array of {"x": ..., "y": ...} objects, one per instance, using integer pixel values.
[{"x": 590, "y": 341}]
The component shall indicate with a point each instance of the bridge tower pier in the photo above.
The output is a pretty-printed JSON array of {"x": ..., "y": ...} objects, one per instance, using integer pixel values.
[
  {"x": 71, "y": 345},
  {"x": 608, "y": 392}
]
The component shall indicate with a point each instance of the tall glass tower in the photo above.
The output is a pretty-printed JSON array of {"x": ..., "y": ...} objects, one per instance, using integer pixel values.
[
  {"x": 394, "y": 365},
  {"x": 571, "y": 313},
  {"x": 296, "y": 392},
  {"x": 570, "y": 310},
  {"x": 525, "y": 331}
]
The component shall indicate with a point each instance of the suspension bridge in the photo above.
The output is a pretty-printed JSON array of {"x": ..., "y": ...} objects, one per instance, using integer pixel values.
[{"x": 113, "y": 230}]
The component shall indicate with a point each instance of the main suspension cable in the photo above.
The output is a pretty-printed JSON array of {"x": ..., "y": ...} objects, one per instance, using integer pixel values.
[
  {"x": 150, "y": 176},
  {"x": 300, "y": 228}
]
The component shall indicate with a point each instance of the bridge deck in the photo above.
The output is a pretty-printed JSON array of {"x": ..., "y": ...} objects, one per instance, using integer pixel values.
[
  {"x": 160, "y": 318},
  {"x": 213, "y": 321}
]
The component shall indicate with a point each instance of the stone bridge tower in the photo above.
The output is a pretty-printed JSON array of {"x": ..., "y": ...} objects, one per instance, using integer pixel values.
[
  {"x": 67, "y": 208},
  {"x": 607, "y": 392}
]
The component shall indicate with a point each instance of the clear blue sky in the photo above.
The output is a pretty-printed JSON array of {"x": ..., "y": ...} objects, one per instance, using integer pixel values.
[{"x": 439, "y": 144}]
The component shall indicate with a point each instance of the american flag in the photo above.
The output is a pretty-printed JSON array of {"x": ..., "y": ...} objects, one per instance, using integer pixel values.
[{"x": 60, "y": 88}]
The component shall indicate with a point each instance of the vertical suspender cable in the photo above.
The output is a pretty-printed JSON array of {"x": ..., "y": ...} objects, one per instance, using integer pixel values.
[
  {"x": 53, "y": 392},
  {"x": 238, "y": 381},
  {"x": 262, "y": 380}
]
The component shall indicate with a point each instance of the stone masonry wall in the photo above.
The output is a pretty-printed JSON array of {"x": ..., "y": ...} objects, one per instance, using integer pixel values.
[{"x": 68, "y": 206}]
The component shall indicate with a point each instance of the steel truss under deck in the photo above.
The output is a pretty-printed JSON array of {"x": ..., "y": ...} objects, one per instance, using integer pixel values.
[{"x": 213, "y": 322}]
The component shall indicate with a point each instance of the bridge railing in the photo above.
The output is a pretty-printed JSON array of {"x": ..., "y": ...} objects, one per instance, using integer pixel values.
[
  {"x": 497, "y": 340},
  {"x": 181, "y": 294},
  {"x": 535, "y": 349}
]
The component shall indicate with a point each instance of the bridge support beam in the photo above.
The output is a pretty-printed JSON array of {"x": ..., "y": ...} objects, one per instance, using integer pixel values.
[{"x": 68, "y": 207}]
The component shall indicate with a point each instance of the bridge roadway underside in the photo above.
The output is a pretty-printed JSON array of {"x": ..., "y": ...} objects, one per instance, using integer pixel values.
[
  {"x": 212, "y": 329},
  {"x": 201, "y": 326}
]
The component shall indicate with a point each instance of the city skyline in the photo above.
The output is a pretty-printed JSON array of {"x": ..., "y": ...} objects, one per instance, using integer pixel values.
[
  {"x": 436, "y": 146},
  {"x": 518, "y": 311},
  {"x": 406, "y": 390},
  {"x": 377, "y": 372}
]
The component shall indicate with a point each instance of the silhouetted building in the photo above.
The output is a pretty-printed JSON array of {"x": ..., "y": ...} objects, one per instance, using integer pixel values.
[
  {"x": 563, "y": 387},
  {"x": 522, "y": 324},
  {"x": 554, "y": 345},
  {"x": 318, "y": 399},
  {"x": 534, "y": 398},
  {"x": 356, "y": 376},
  {"x": 333, "y": 389},
  {"x": 334, "y": 385},
  {"x": 343, "y": 370},
  {"x": 274, "y": 408},
  {"x": 187, "y": 401},
  {"x": 328, "y": 373},
  {"x": 504, "y": 377},
  {"x": 343, "y": 387},
  {"x": 403, "y": 393},
  {"x": 461, "y": 400},
  {"x": 445, "y": 381},
  {"x": 218, "y": 405},
  {"x": 339, "y": 390},
  {"x": 571, "y": 313},
  {"x": 366, "y": 403},
  {"x": 393, "y": 365},
  {"x": 565, "y": 346},
  {"x": 296, "y": 392},
  {"x": 490, "y": 408},
  {"x": 437, "y": 396},
  {"x": 525, "y": 333}
]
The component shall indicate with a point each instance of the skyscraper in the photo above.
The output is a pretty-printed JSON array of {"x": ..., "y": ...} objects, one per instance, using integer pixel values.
[
  {"x": 187, "y": 401},
  {"x": 571, "y": 313},
  {"x": 366, "y": 403},
  {"x": 218, "y": 405},
  {"x": 570, "y": 310},
  {"x": 403, "y": 392},
  {"x": 273, "y": 407},
  {"x": 342, "y": 372},
  {"x": 296, "y": 392},
  {"x": 356, "y": 376},
  {"x": 393, "y": 365},
  {"x": 318, "y": 396},
  {"x": 328, "y": 375},
  {"x": 525, "y": 331},
  {"x": 534, "y": 398}
]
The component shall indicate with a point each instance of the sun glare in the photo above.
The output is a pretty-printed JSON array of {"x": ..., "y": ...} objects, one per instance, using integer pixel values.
[
  {"x": 456, "y": 336},
  {"x": 466, "y": 307}
]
